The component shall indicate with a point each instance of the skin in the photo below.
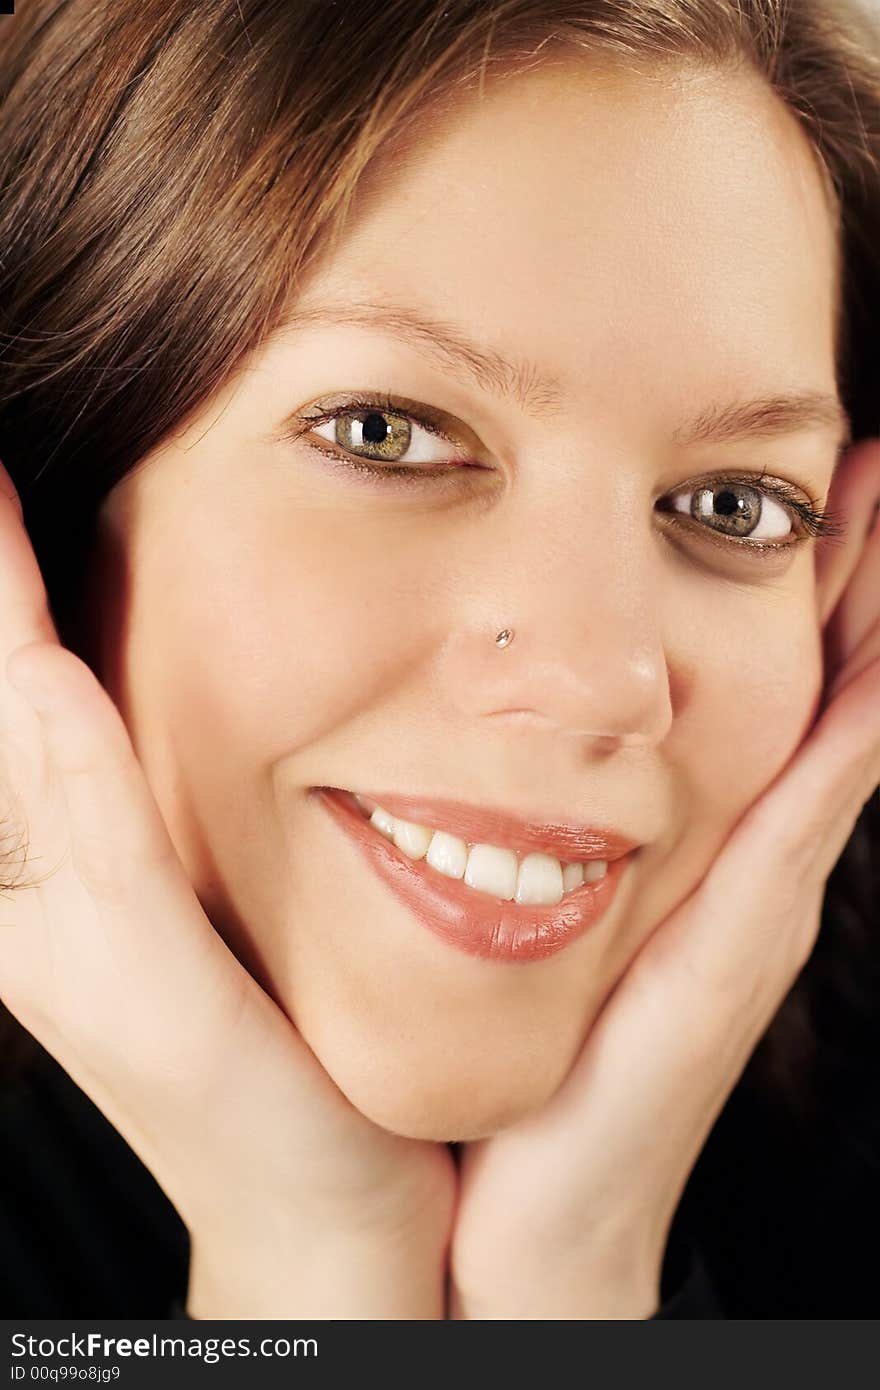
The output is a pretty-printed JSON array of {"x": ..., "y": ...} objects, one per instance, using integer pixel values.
[{"x": 655, "y": 245}]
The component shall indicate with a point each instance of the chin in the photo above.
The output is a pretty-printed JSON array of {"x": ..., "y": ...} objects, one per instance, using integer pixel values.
[{"x": 440, "y": 1109}]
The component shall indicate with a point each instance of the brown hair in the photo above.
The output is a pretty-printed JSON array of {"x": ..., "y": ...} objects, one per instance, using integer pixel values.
[{"x": 169, "y": 172}]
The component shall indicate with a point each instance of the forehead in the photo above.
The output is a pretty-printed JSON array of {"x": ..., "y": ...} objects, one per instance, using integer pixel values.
[{"x": 594, "y": 216}]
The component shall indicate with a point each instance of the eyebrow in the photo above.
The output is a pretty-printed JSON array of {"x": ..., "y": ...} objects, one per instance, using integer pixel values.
[
  {"x": 539, "y": 395},
  {"x": 782, "y": 413},
  {"x": 542, "y": 395}
]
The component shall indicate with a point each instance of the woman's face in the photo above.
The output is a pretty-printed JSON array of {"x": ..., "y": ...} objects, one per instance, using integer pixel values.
[{"x": 657, "y": 249}]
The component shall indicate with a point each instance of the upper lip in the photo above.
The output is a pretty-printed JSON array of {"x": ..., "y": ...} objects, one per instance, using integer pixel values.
[{"x": 566, "y": 840}]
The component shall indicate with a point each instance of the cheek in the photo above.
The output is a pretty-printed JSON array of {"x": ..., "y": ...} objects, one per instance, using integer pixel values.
[
  {"x": 247, "y": 646},
  {"x": 752, "y": 705},
  {"x": 298, "y": 632}
]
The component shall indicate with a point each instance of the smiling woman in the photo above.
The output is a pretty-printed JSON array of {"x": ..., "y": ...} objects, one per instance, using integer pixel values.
[{"x": 334, "y": 341}]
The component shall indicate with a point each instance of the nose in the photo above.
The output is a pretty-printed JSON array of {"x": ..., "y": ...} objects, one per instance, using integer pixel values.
[{"x": 579, "y": 586}]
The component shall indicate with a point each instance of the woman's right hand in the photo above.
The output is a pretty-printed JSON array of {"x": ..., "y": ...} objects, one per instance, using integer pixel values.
[{"x": 296, "y": 1204}]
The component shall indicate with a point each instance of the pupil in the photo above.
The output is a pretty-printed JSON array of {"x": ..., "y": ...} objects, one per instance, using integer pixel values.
[
  {"x": 726, "y": 504},
  {"x": 373, "y": 429}
]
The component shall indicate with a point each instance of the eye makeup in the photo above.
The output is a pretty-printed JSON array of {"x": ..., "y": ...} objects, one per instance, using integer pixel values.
[{"x": 808, "y": 518}]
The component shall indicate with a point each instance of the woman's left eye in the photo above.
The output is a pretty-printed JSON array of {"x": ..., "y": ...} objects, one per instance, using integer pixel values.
[
  {"x": 737, "y": 509},
  {"x": 390, "y": 439}
]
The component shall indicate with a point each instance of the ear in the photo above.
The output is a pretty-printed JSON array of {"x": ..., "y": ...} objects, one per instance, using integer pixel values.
[{"x": 853, "y": 498}]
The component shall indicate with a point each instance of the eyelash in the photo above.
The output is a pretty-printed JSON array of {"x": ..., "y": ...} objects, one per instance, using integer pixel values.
[{"x": 813, "y": 520}]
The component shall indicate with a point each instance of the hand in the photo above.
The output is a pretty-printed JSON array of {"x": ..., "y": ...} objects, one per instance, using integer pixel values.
[
  {"x": 566, "y": 1215},
  {"x": 297, "y": 1205}
]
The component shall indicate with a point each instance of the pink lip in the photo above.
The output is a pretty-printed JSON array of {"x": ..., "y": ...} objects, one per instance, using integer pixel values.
[
  {"x": 488, "y": 825},
  {"x": 476, "y": 922}
]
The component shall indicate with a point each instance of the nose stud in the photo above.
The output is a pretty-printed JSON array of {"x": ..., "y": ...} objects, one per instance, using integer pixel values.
[{"x": 505, "y": 637}]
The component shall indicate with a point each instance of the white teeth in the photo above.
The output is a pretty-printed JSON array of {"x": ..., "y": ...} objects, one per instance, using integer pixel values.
[
  {"x": 536, "y": 878},
  {"x": 492, "y": 870},
  {"x": 572, "y": 876},
  {"x": 447, "y": 854},
  {"x": 383, "y": 822},
  {"x": 412, "y": 839},
  {"x": 539, "y": 879}
]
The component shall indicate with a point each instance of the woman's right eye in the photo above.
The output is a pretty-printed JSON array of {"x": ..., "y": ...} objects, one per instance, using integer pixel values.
[{"x": 378, "y": 436}]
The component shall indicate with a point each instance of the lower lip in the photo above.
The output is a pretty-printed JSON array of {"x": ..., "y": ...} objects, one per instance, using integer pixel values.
[{"x": 475, "y": 922}]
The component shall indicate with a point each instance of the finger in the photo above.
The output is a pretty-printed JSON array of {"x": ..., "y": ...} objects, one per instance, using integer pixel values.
[
  {"x": 8, "y": 488},
  {"x": 831, "y": 775},
  {"x": 24, "y": 617},
  {"x": 24, "y": 604},
  {"x": 852, "y": 497},
  {"x": 117, "y": 830},
  {"x": 680, "y": 1026},
  {"x": 740, "y": 938},
  {"x": 119, "y": 910},
  {"x": 865, "y": 653},
  {"x": 856, "y": 618}
]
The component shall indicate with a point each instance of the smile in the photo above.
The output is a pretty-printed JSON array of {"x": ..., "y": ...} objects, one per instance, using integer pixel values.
[
  {"x": 534, "y": 877},
  {"x": 494, "y": 901}
]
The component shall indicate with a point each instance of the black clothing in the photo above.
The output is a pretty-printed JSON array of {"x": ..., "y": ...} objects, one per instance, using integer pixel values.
[
  {"x": 765, "y": 1228},
  {"x": 85, "y": 1229}
]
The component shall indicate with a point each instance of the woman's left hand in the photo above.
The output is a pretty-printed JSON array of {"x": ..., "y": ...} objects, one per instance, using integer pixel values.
[{"x": 566, "y": 1214}]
